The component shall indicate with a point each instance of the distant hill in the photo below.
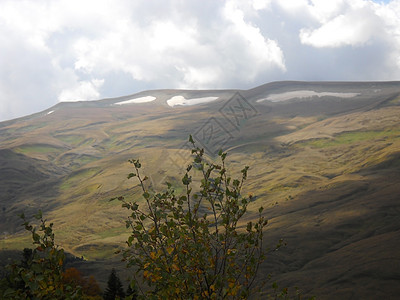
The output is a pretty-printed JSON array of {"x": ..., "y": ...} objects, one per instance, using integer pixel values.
[{"x": 324, "y": 160}]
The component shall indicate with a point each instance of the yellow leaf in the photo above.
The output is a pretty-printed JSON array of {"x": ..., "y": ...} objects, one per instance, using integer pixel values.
[
  {"x": 231, "y": 251},
  {"x": 170, "y": 250},
  {"x": 175, "y": 267},
  {"x": 153, "y": 255},
  {"x": 156, "y": 278}
]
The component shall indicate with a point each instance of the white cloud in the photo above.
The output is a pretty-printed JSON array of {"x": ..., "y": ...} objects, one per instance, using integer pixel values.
[
  {"x": 180, "y": 52},
  {"x": 351, "y": 29},
  {"x": 293, "y": 6},
  {"x": 261, "y": 4},
  {"x": 355, "y": 27},
  {"x": 362, "y": 24},
  {"x": 324, "y": 11},
  {"x": 390, "y": 16},
  {"x": 264, "y": 52},
  {"x": 84, "y": 90}
]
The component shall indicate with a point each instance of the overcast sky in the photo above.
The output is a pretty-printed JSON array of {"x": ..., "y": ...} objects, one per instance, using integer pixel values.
[{"x": 63, "y": 50}]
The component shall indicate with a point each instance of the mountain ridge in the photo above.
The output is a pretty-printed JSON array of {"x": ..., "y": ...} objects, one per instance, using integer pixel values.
[{"x": 250, "y": 93}]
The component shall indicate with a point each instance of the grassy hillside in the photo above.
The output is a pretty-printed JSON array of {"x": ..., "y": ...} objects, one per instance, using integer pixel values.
[{"x": 326, "y": 167}]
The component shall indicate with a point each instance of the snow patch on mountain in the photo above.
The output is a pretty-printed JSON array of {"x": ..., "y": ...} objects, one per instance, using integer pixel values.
[
  {"x": 305, "y": 94},
  {"x": 137, "y": 100},
  {"x": 180, "y": 100}
]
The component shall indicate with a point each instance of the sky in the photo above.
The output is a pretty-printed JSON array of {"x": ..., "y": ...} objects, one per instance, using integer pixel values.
[{"x": 69, "y": 50}]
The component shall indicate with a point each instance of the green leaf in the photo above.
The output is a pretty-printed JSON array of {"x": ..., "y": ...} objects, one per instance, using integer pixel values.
[
  {"x": 191, "y": 139},
  {"x": 186, "y": 180},
  {"x": 137, "y": 164},
  {"x": 35, "y": 236},
  {"x": 223, "y": 156},
  {"x": 39, "y": 215}
]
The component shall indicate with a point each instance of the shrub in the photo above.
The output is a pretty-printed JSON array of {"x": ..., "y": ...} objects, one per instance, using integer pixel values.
[
  {"x": 40, "y": 273},
  {"x": 90, "y": 287},
  {"x": 191, "y": 246}
]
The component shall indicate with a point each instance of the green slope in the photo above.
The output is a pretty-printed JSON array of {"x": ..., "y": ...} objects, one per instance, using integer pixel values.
[{"x": 327, "y": 169}]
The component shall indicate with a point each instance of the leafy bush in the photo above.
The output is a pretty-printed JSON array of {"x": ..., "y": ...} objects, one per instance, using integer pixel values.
[
  {"x": 191, "y": 246},
  {"x": 40, "y": 274},
  {"x": 90, "y": 287}
]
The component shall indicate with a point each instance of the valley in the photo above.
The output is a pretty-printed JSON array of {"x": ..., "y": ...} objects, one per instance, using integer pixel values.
[{"x": 324, "y": 162}]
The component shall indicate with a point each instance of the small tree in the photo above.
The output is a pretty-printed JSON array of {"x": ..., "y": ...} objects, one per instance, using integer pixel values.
[
  {"x": 190, "y": 246},
  {"x": 40, "y": 273},
  {"x": 73, "y": 276},
  {"x": 90, "y": 287},
  {"x": 114, "y": 287}
]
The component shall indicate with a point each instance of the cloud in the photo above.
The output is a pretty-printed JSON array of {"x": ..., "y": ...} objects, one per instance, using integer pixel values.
[
  {"x": 84, "y": 90},
  {"x": 69, "y": 49},
  {"x": 265, "y": 52},
  {"x": 355, "y": 27},
  {"x": 180, "y": 51},
  {"x": 369, "y": 27}
]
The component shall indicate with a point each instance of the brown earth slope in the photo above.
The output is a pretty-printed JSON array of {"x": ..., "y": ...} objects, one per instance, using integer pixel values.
[{"x": 326, "y": 167}]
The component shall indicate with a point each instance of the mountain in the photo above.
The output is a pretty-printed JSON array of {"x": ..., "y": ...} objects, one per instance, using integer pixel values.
[{"x": 324, "y": 161}]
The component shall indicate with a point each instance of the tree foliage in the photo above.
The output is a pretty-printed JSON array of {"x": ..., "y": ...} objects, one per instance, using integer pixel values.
[
  {"x": 114, "y": 287},
  {"x": 40, "y": 273},
  {"x": 191, "y": 246},
  {"x": 90, "y": 287}
]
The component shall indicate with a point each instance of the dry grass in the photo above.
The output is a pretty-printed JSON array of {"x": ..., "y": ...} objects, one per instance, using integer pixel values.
[{"x": 327, "y": 174}]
